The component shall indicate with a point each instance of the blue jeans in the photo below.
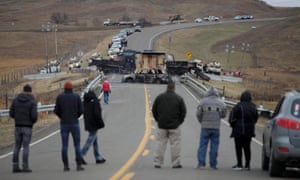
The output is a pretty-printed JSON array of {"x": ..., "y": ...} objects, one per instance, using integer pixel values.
[
  {"x": 65, "y": 130},
  {"x": 106, "y": 97},
  {"x": 212, "y": 135},
  {"x": 92, "y": 139},
  {"x": 22, "y": 138}
]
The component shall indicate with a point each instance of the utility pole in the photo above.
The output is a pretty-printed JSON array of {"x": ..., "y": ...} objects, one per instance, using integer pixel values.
[
  {"x": 55, "y": 28},
  {"x": 46, "y": 28}
]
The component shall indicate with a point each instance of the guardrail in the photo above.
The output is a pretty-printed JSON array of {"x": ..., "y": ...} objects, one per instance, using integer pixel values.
[
  {"x": 196, "y": 85},
  {"x": 50, "y": 107}
]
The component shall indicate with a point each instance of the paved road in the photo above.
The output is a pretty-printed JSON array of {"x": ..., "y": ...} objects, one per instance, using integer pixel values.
[{"x": 128, "y": 141}]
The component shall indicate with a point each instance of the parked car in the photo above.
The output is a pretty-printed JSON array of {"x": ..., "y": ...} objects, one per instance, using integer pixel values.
[
  {"x": 198, "y": 20},
  {"x": 211, "y": 18},
  {"x": 281, "y": 136},
  {"x": 153, "y": 75},
  {"x": 137, "y": 29},
  {"x": 241, "y": 17}
]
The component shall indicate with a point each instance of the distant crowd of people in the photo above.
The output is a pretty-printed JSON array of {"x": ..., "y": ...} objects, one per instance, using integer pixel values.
[{"x": 169, "y": 111}]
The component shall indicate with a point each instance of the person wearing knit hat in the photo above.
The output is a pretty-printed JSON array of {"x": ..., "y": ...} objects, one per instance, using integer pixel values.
[
  {"x": 68, "y": 85},
  {"x": 27, "y": 88},
  {"x": 68, "y": 107},
  {"x": 24, "y": 111}
]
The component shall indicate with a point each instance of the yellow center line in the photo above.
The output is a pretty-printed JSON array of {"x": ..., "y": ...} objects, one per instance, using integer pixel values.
[{"x": 142, "y": 144}]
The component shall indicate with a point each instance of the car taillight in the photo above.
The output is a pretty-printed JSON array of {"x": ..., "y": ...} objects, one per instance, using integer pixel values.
[
  {"x": 288, "y": 124},
  {"x": 283, "y": 149}
]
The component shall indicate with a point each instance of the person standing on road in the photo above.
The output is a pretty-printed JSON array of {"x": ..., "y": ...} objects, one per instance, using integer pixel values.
[
  {"x": 169, "y": 111},
  {"x": 24, "y": 112},
  {"x": 243, "y": 118},
  {"x": 68, "y": 107},
  {"x": 93, "y": 121},
  {"x": 209, "y": 113},
  {"x": 106, "y": 90}
]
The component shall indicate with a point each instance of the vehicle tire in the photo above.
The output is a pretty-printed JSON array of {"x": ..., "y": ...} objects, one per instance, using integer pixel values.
[
  {"x": 264, "y": 159},
  {"x": 276, "y": 167},
  {"x": 129, "y": 80}
]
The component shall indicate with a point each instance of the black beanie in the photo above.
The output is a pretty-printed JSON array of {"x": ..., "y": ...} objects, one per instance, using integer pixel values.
[{"x": 27, "y": 88}]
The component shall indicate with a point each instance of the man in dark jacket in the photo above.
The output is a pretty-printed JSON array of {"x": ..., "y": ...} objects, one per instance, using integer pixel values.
[
  {"x": 243, "y": 118},
  {"x": 24, "y": 111},
  {"x": 93, "y": 121},
  {"x": 68, "y": 108},
  {"x": 169, "y": 111}
]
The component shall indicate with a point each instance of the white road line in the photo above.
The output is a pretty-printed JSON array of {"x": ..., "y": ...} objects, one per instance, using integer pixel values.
[{"x": 33, "y": 143}]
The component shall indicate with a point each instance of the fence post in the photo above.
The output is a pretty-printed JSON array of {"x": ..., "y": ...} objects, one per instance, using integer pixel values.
[{"x": 6, "y": 100}]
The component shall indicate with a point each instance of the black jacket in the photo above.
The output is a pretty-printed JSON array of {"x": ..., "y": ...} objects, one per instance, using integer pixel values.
[
  {"x": 243, "y": 117},
  {"x": 68, "y": 107},
  {"x": 169, "y": 110},
  {"x": 92, "y": 112},
  {"x": 24, "y": 110}
]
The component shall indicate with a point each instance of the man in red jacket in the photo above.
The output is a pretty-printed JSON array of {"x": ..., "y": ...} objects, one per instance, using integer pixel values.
[{"x": 106, "y": 90}]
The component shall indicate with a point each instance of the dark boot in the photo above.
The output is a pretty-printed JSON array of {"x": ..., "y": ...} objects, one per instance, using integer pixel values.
[
  {"x": 65, "y": 161},
  {"x": 16, "y": 168},
  {"x": 79, "y": 167},
  {"x": 26, "y": 168},
  {"x": 83, "y": 162},
  {"x": 66, "y": 166},
  {"x": 79, "y": 162}
]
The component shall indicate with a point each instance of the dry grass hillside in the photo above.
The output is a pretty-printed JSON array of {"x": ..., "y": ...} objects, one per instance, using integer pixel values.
[
  {"x": 275, "y": 50},
  {"x": 82, "y": 29},
  {"x": 23, "y": 44},
  {"x": 19, "y": 15}
]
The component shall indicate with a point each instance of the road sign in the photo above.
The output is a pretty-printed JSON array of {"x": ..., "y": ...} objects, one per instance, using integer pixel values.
[
  {"x": 80, "y": 53},
  {"x": 188, "y": 55}
]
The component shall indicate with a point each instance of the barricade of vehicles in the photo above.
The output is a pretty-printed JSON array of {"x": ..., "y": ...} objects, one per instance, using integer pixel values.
[
  {"x": 52, "y": 67},
  {"x": 153, "y": 66},
  {"x": 147, "y": 75}
]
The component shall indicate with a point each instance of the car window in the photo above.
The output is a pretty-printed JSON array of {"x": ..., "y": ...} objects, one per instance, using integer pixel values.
[
  {"x": 278, "y": 107},
  {"x": 295, "y": 111}
]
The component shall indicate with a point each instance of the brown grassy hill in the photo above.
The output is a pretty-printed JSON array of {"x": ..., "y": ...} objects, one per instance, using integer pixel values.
[
  {"x": 277, "y": 41},
  {"x": 18, "y": 15},
  {"x": 22, "y": 20},
  {"x": 23, "y": 43},
  {"x": 275, "y": 49},
  {"x": 22, "y": 39}
]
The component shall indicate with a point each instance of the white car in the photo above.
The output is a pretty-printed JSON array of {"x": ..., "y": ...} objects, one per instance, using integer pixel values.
[
  {"x": 242, "y": 17},
  {"x": 107, "y": 22},
  {"x": 198, "y": 20},
  {"x": 211, "y": 18}
]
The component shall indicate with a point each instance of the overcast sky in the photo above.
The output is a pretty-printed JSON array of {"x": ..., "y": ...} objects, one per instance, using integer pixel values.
[{"x": 284, "y": 3}]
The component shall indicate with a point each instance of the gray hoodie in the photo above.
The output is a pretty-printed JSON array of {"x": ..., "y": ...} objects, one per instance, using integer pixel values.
[{"x": 211, "y": 109}]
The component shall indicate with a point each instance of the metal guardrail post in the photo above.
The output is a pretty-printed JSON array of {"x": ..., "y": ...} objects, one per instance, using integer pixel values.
[{"x": 203, "y": 89}]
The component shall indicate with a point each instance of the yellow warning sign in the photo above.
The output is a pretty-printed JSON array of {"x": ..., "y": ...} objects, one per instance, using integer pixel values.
[{"x": 188, "y": 55}]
